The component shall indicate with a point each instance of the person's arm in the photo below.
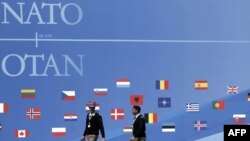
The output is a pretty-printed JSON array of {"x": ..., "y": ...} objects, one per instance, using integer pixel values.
[
  {"x": 86, "y": 126},
  {"x": 101, "y": 127}
]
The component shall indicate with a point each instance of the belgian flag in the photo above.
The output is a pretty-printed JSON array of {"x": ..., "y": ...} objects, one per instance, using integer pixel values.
[{"x": 151, "y": 117}]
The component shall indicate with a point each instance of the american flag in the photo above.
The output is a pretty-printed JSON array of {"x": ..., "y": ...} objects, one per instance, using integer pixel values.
[{"x": 232, "y": 89}]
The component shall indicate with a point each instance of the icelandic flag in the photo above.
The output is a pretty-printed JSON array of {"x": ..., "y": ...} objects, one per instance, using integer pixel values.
[
  {"x": 200, "y": 125},
  {"x": 68, "y": 95}
]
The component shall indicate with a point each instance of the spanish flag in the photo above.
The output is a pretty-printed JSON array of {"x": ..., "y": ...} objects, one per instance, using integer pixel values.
[
  {"x": 151, "y": 117},
  {"x": 162, "y": 84},
  {"x": 201, "y": 85}
]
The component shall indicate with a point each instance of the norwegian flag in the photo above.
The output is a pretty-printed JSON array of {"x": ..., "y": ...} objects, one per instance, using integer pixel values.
[
  {"x": 232, "y": 89},
  {"x": 33, "y": 113}
]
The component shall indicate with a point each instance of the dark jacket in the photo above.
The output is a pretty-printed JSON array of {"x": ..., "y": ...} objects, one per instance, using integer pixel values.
[
  {"x": 139, "y": 127},
  {"x": 95, "y": 123}
]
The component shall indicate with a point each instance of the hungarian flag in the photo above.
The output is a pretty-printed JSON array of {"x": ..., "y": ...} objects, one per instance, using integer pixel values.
[
  {"x": 151, "y": 117},
  {"x": 68, "y": 95},
  {"x": 4, "y": 108},
  {"x": 58, "y": 131},
  {"x": 21, "y": 133},
  {"x": 136, "y": 99},
  {"x": 219, "y": 105},
  {"x": 201, "y": 84},
  {"x": 28, "y": 93},
  {"x": 117, "y": 114},
  {"x": 33, "y": 113},
  {"x": 128, "y": 129},
  {"x": 162, "y": 84}
]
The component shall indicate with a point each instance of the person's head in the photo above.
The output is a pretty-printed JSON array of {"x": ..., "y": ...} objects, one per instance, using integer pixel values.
[
  {"x": 136, "y": 109},
  {"x": 92, "y": 105}
]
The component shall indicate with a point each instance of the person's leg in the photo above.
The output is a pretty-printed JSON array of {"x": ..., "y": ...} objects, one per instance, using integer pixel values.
[
  {"x": 142, "y": 139},
  {"x": 92, "y": 138}
]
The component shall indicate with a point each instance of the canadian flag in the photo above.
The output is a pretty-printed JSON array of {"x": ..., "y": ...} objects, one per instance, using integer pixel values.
[{"x": 21, "y": 133}]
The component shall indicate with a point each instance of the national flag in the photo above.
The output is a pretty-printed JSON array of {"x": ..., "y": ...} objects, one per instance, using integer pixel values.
[
  {"x": 1, "y": 126},
  {"x": 128, "y": 129},
  {"x": 21, "y": 133},
  {"x": 239, "y": 118},
  {"x": 200, "y": 125},
  {"x": 58, "y": 131},
  {"x": 33, "y": 113},
  {"x": 122, "y": 83},
  {"x": 136, "y": 99},
  {"x": 201, "y": 84},
  {"x": 219, "y": 105},
  {"x": 70, "y": 117},
  {"x": 151, "y": 117},
  {"x": 168, "y": 127},
  {"x": 164, "y": 102},
  {"x": 100, "y": 91},
  {"x": 248, "y": 96},
  {"x": 97, "y": 107},
  {"x": 28, "y": 93},
  {"x": 233, "y": 89},
  {"x": 4, "y": 107},
  {"x": 68, "y": 95},
  {"x": 192, "y": 107},
  {"x": 162, "y": 84},
  {"x": 117, "y": 114}
]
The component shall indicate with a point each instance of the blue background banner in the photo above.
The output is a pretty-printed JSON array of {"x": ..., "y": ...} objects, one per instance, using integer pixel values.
[{"x": 56, "y": 46}]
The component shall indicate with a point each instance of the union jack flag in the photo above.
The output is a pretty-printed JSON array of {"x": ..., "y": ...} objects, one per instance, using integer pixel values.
[{"x": 232, "y": 89}]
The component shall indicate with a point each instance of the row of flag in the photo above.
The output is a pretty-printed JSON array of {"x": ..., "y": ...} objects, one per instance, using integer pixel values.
[{"x": 55, "y": 131}]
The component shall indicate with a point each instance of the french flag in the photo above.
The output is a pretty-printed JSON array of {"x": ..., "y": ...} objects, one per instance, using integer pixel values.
[
  {"x": 58, "y": 131},
  {"x": 68, "y": 95},
  {"x": 4, "y": 108}
]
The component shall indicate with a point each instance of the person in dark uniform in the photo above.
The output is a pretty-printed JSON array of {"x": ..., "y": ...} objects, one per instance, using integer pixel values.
[
  {"x": 139, "y": 125},
  {"x": 94, "y": 124}
]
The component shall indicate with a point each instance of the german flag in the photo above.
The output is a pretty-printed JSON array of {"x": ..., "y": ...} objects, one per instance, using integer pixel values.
[
  {"x": 162, "y": 84},
  {"x": 201, "y": 85},
  {"x": 248, "y": 97},
  {"x": 151, "y": 117},
  {"x": 28, "y": 93}
]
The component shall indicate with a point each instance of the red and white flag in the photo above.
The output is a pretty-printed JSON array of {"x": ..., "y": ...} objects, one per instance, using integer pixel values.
[
  {"x": 58, "y": 131},
  {"x": 33, "y": 113},
  {"x": 21, "y": 133},
  {"x": 117, "y": 114},
  {"x": 4, "y": 108},
  {"x": 233, "y": 89}
]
